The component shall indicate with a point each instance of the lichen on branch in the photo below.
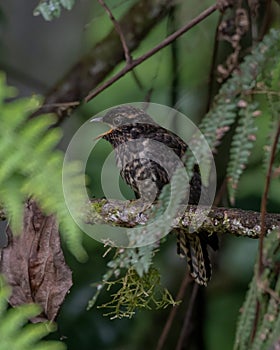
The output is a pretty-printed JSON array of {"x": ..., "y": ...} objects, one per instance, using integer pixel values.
[{"x": 233, "y": 221}]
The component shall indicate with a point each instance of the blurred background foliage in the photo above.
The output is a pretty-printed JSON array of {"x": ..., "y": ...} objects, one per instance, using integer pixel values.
[{"x": 35, "y": 54}]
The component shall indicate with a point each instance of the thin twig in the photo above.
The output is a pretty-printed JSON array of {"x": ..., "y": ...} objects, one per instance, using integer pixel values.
[
  {"x": 118, "y": 28},
  {"x": 188, "y": 317},
  {"x": 153, "y": 79},
  {"x": 267, "y": 17},
  {"x": 262, "y": 92},
  {"x": 63, "y": 104},
  {"x": 153, "y": 51},
  {"x": 264, "y": 200},
  {"x": 220, "y": 193},
  {"x": 211, "y": 82},
  {"x": 93, "y": 68},
  {"x": 182, "y": 290},
  {"x": 253, "y": 14},
  {"x": 174, "y": 59},
  {"x": 263, "y": 215}
]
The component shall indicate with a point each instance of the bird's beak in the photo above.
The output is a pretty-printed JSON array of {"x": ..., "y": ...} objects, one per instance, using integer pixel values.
[{"x": 100, "y": 120}]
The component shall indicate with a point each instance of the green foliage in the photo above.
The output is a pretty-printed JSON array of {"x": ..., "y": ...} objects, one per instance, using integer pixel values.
[
  {"x": 137, "y": 282},
  {"x": 241, "y": 146},
  {"x": 265, "y": 291},
  {"x": 163, "y": 213},
  {"x": 31, "y": 167},
  {"x": 236, "y": 103},
  {"x": 233, "y": 105},
  {"x": 14, "y": 332},
  {"x": 140, "y": 283},
  {"x": 137, "y": 292},
  {"x": 268, "y": 147},
  {"x": 51, "y": 9},
  {"x": 139, "y": 259}
]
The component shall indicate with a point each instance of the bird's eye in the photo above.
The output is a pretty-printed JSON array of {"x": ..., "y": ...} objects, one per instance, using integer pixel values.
[{"x": 117, "y": 121}]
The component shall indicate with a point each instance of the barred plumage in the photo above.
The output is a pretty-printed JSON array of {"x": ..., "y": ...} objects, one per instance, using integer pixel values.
[
  {"x": 139, "y": 162},
  {"x": 193, "y": 246}
]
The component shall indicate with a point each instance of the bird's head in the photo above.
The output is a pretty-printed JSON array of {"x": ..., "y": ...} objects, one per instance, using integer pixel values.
[{"x": 121, "y": 116}]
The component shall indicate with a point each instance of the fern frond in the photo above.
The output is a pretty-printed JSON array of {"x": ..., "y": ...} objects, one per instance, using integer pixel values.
[
  {"x": 14, "y": 332},
  {"x": 218, "y": 121},
  {"x": 8, "y": 92},
  {"x": 5, "y": 292},
  {"x": 262, "y": 64},
  {"x": 266, "y": 292},
  {"x": 12, "y": 198},
  {"x": 51, "y": 9},
  {"x": 15, "y": 113},
  {"x": 264, "y": 338},
  {"x": 246, "y": 319},
  {"x": 225, "y": 110},
  {"x": 30, "y": 166},
  {"x": 34, "y": 130},
  {"x": 46, "y": 144},
  {"x": 273, "y": 321},
  {"x": 241, "y": 146},
  {"x": 267, "y": 148}
]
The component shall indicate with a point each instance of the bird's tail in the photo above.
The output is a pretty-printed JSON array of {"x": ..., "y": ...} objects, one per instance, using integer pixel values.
[{"x": 194, "y": 247}]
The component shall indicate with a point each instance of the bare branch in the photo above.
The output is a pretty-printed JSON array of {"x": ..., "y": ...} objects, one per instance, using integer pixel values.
[
  {"x": 153, "y": 51},
  {"x": 91, "y": 69},
  {"x": 105, "y": 55},
  {"x": 212, "y": 72},
  {"x": 185, "y": 282},
  {"x": 188, "y": 316},
  {"x": 127, "y": 54},
  {"x": 119, "y": 31}
]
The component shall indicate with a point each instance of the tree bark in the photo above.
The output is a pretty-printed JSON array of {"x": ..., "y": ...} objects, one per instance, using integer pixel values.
[{"x": 233, "y": 221}]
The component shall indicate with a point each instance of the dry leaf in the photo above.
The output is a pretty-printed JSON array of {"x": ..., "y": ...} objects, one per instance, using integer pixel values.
[{"x": 34, "y": 265}]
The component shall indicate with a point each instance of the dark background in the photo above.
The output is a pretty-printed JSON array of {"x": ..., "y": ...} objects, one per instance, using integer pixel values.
[{"x": 35, "y": 54}]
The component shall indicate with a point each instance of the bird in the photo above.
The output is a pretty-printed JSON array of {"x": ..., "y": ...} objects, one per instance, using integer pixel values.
[{"x": 147, "y": 156}]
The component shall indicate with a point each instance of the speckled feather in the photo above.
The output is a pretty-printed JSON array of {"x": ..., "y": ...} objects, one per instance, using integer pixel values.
[{"x": 134, "y": 138}]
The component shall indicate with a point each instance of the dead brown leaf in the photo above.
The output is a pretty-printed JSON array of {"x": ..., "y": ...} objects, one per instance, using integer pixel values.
[{"x": 34, "y": 265}]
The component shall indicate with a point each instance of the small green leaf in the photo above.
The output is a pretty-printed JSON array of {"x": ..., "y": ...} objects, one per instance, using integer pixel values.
[
  {"x": 51, "y": 9},
  {"x": 68, "y": 4}
]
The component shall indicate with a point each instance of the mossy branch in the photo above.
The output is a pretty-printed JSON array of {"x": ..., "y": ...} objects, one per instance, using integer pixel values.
[{"x": 233, "y": 221}]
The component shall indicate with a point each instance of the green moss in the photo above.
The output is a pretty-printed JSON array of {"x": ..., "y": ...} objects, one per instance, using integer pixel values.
[
  {"x": 137, "y": 292},
  {"x": 97, "y": 206}
]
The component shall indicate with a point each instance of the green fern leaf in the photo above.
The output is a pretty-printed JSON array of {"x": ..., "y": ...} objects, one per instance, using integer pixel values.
[
  {"x": 264, "y": 290},
  {"x": 5, "y": 92},
  {"x": 246, "y": 319},
  {"x": 35, "y": 129},
  {"x": 241, "y": 146},
  {"x": 45, "y": 145},
  {"x": 12, "y": 197},
  {"x": 270, "y": 139},
  {"x": 14, "y": 332},
  {"x": 225, "y": 107},
  {"x": 30, "y": 166}
]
